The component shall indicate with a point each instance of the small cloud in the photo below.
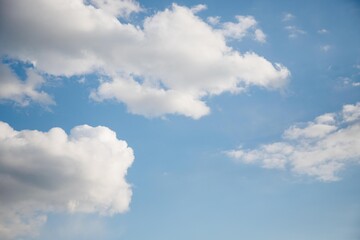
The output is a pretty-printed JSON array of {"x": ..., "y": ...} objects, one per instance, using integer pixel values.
[
  {"x": 294, "y": 31},
  {"x": 23, "y": 92},
  {"x": 348, "y": 82},
  {"x": 345, "y": 80},
  {"x": 198, "y": 8},
  {"x": 82, "y": 80},
  {"x": 323, "y": 31},
  {"x": 287, "y": 17},
  {"x": 325, "y": 48},
  {"x": 245, "y": 26},
  {"x": 213, "y": 20},
  {"x": 260, "y": 36}
]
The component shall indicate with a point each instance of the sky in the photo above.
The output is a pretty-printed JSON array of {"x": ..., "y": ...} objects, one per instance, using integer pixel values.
[{"x": 125, "y": 119}]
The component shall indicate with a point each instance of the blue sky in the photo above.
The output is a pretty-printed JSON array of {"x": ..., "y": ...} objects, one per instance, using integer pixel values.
[{"x": 179, "y": 120}]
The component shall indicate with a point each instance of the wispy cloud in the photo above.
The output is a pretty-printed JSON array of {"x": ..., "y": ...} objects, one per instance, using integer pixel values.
[
  {"x": 325, "y": 48},
  {"x": 213, "y": 20},
  {"x": 319, "y": 148},
  {"x": 287, "y": 17},
  {"x": 198, "y": 8},
  {"x": 323, "y": 31},
  {"x": 347, "y": 81},
  {"x": 294, "y": 31},
  {"x": 22, "y": 92}
]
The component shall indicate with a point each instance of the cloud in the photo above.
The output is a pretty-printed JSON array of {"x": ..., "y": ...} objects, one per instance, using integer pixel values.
[
  {"x": 117, "y": 8},
  {"x": 22, "y": 92},
  {"x": 148, "y": 101},
  {"x": 347, "y": 81},
  {"x": 260, "y": 36},
  {"x": 173, "y": 54},
  {"x": 323, "y": 31},
  {"x": 320, "y": 148},
  {"x": 242, "y": 28},
  {"x": 294, "y": 31},
  {"x": 198, "y": 8},
  {"x": 325, "y": 48},
  {"x": 44, "y": 172},
  {"x": 287, "y": 17},
  {"x": 213, "y": 20}
]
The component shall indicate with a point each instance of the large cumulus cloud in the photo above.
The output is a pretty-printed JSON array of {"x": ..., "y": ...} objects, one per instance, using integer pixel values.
[
  {"x": 51, "y": 171},
  {"x": 170, "y": 62}
]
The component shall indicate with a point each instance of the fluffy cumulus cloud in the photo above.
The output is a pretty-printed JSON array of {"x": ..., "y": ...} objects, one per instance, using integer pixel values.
[
  {"x": 22, "y": 92},
  {"x": 51, "y": 171},
  {"x": 320, "y": 148},
  {"x": 242, "y": 28},
  {"x": 172, "y": 60}
]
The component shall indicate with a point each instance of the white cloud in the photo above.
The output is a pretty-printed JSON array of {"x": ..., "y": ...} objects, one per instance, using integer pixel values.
[
  {"x": 117, "y": 8},
  {"x": 320, "y": 148},
  {"x": 287, "y": 17},
  {"x": 174, "y": 53},
  {"x": 150, "y": 102},
  {"x": 313, "y": 130},
  {"x": 294, "y": 31},
  {"x": 242, "y": 28},
  {"x": 213, "y": 20},
  {"x": 198, "y": 8},
  {"x": 260, "y": 36},
  {"x": 351, "y": 113},
  {"x": 51, "y": 171},
  {"x": 22, "y": 92},
  {"x": 347, "y": 81},
  {"x": 325, "y": 48},
  {"x": 323, "y": 31}
]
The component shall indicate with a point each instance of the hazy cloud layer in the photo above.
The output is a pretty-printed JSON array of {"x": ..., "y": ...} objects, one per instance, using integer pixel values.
[
  {"x": 320, "y": 148},
  {"x": 43, "y": 172},
  {"x": 174, "y": 53}
]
